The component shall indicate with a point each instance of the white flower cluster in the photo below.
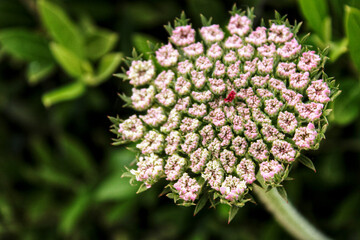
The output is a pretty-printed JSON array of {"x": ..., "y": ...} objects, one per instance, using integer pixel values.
[{"x": 224, "y": 107}]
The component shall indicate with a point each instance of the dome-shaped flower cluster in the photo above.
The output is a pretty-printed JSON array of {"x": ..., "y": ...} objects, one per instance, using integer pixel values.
[{"x": 222, "y": 108}]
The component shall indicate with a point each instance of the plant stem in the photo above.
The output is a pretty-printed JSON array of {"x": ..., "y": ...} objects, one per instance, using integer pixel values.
[{"x": 288, "y": 216}]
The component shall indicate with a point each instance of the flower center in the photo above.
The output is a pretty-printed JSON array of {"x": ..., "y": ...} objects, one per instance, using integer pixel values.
[{"x": 231, "y": 96}]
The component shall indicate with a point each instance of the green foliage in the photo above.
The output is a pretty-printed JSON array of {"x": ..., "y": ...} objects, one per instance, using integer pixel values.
[
  {"x": 282, "y": 193},
  {"x": 77, "y": 155},
  {"x": 201, "y": 204},
  {"x": 344, "y": 213},
  {"x": 338, "y": 48},
  {"x": 25, "y": 45},
  {"x": 352, "y": 26},
  {"x": 107, "y": 66},
  {"x": 99, "y": 42},
  {"x": 74, "y": 211},
  {"x": 347, "y": 108},
  {"x": 63, "y": 93},
  {"x": 306, "y": 161},
  {"x": 115, "y": 188},
  {"x": 319, "y": 20},
  {"x": 316, "y": 14},
  {"x": 37, "y": 71},
  {"x": 71, "y": 63},
  {"x": 61, "y": 28},
  {"x": 142, "y": 41},
  {"x": 31, "y": 47},
  {"x": 232, "y": 213},
  {"x": 82, "y": 52},
  {"x": 73, "y": 50}
]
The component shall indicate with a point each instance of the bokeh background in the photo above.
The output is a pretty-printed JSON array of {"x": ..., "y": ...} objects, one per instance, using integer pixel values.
[{"x": 60, "y": 178}]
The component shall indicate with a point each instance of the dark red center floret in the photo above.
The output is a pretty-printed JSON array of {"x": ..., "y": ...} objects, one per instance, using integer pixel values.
[{"x": 231, "y": 96}]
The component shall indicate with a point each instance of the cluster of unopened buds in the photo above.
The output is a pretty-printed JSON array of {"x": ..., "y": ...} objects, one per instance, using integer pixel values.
[{"x": 224, "y": 109}]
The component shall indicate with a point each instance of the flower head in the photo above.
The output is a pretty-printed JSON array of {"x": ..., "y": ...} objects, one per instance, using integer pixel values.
[
  {"x": 187, "y": 187},
  {"x": 141, "y": 72},
  {"x": 131, "y": 129},
  {"x": 212, "y": 33},
  {"x": 183, "y": 36},
  {"x": 239, "y": 25},
  {"x": 223, "y": 112},
  {"x": 167, "y": 56}
]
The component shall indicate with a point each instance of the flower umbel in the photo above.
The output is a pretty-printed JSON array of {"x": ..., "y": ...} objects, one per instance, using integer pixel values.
[{"x": 224, "y": 109}]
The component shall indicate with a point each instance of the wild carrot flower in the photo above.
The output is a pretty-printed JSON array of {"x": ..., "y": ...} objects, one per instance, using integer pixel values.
[{"x": 225, "y": 109}]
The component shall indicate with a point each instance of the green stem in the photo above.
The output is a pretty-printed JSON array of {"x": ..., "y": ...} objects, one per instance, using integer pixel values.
[{"x": 288, "y": 216}]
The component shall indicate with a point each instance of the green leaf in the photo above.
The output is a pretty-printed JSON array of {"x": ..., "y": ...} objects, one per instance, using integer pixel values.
[
  {"x": 74, "y": 212},
  {"x": 201, "y": 203},
  {"x": 25, "y": 45},
  {"x": 6, "y": 210},
  {"x": 60, "y": 27},
  {"x": 127, "y": 175},
  {"x": 115, "y": 188},
  {"x": 335, "y": 95},
  {"x": 119, "y": 158},
  {"x": 77, "y": 155},
  {"x": 346, "y": 106},
  {"x": 337, "y": 49},
  {"x": 141, "y": 43},
  {"x": 165, "y": 191},
  {"x": 55, "y": 177},
  {"x": 205, "y": 21},
  {"x": 232, "y": 213},
  {"x": 64, "y": 93},
  {"x": 142, "y": 188},
  {"x": 306, "y": 161},
  {"x": 38, "y": 205},
  {"x": 71, "y": 63},
  {"x": 37, "y": 71},
  {"x": 352, "y": 27},
  {"x": 315, "y": 12},
  {"x": 327, "y": 29},
  {"x": 344, "y": 212},
  {"x": 282, "y": 193},
  {"x": 40, "y": 150},
  {"x": 315, "y": 40},
  {"x": 326, "y": 113},
  {"x": 108, "y": 65},
  {"x": 99, "y": 43},
  {"x": 120, "y": 211}
]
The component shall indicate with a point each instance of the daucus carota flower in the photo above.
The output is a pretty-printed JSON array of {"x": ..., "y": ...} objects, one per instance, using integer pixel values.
[
  {"x": 269, "y": 169},
  {"x": 131, "y": 129},
  {"x": 224, "y": 109},
  {"x": 142, "y": 98},
  {"x": 232, "y": 188},
  {"x": 187, "y": 187},
  {"x": 183, "y": 35},
  {"x": 167, "y": 55},
  {"x": 194, "y": 49},
  {"x": 212, "y": 33},
  {"x": 141, "y": 72},
  {"x": 174, "y": 167},
  {"x": 150, "y": 169}
]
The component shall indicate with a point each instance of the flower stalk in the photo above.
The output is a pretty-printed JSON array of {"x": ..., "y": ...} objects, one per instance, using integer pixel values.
[{"x": 287, "y": 216}]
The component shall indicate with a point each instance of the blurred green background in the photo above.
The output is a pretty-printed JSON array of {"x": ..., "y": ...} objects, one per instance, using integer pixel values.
[{"x": 59, "y": 174}]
